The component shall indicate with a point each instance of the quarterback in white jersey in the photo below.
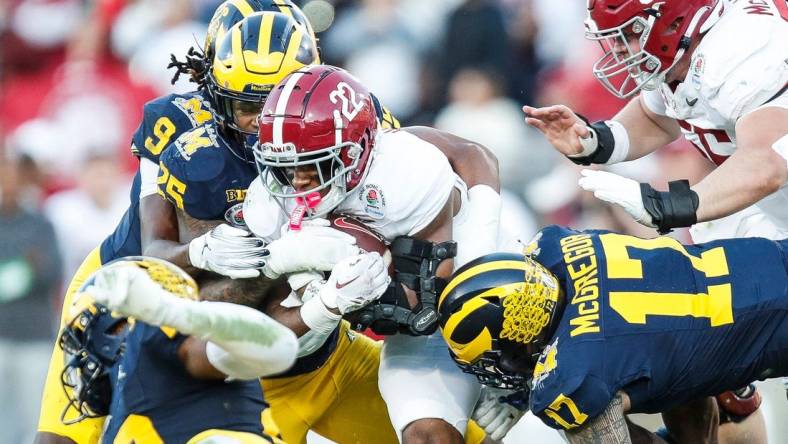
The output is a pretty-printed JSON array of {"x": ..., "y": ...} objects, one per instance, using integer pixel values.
[
  {"x": 320, "y": 152},
  {"x": 714, "y": 70}
]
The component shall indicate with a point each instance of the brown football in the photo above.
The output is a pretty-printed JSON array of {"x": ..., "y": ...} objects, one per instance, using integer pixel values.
[{"x": 366, "y": 239}]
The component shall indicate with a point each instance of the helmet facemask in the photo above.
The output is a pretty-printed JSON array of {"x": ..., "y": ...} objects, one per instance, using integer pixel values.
[
  {"x": 499, "y": 333},
  {"x": 91, "y": 344},
  {"x": 662, "y": 31},
  {"x": 278, "y": 165},
  {"x": 622, "y": 70}
]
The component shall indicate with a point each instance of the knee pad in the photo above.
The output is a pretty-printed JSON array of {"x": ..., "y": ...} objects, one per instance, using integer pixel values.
[{"x": 737, "y": 405}]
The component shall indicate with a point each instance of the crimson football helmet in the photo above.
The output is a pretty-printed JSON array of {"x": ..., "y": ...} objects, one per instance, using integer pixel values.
[
  {"x": 643, "y": 39},
  {"x": 318, "y": 121}
]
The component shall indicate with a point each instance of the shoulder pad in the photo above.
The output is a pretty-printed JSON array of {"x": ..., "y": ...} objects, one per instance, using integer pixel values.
[
  {"x": 164, "y": 341},
  {"x": 737, "y": 71},
  {"x": 165, "y": 119}
]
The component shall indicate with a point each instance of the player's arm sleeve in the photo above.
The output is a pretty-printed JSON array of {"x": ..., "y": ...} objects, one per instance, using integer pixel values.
[
  {"x": 161, "y": 123},
  {"x": 191, "y": 184},
  {"x": 243, "y": 343},
  {"x": 571, "y": 404},
  {"x": 149, "y": 172}
]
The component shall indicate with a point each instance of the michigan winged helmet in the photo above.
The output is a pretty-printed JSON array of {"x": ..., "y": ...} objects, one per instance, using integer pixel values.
[{"x": 496, "y": 314}]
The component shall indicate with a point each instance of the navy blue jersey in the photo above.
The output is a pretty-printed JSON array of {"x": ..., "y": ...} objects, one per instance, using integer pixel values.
[
  {"x": 202, "y": 176},
  {"x": 164, "y": 120},
  {"x": 154, "y": 399},
  {"x": 664, "y": 322}
]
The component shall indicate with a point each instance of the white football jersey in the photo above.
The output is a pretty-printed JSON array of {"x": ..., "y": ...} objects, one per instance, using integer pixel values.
[
  {"x": 740, "y": 65},
  {"x": 408, "y": 183}
]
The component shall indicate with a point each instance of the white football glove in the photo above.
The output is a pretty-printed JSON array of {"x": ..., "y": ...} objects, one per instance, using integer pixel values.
[
  {"x": 617, "y": 190},
  {"x": 355, "y": 282},
  {"x": 316, "y": 246},
  {"x": 229, "y": 251},
  {"x": 128, "y": 290},
  {"x": 495, "y": 416}
]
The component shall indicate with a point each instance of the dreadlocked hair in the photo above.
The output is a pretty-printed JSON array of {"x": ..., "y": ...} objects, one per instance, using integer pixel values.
[{"x": 195, "y": 66}]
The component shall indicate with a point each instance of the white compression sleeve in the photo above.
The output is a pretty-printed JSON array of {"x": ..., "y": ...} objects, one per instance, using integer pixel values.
[
  {"x": 149, "y": 171},
  {"x": 477, "y": 234},
  {"x": 320, "y": 320},
  {"x": 243, "y": 343}
]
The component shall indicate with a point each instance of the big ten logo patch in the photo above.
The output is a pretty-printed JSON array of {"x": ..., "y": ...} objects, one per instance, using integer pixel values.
[
  {"x": 235, "y": 195},
  {"x": 373, "y": 200}
]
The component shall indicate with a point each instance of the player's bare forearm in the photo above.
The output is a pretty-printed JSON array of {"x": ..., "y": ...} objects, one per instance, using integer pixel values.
[
  {"x": 290, "y": 317},
  {"x": 753, "y": 172},
  {"x": 610, "y": 427},
  {"x": 647, "y": 131},
  {"x": 250, "y": 292},
  {"x": 475, "y": 164},
  {"x": 696, "y": 421},
  {"x": 165, "y": 232}
]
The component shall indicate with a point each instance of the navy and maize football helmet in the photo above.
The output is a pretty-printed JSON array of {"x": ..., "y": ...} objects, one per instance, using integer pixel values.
[
  {"x": 231, "y": 12},
  {"x": 496, "y": 314},
  {"x": 251, "y": 58},
  {"x": 92, "y": 343}
]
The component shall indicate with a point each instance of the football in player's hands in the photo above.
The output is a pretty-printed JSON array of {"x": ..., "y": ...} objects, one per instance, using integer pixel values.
[
  {"x": 366, "y": 239},
  {"x": 369, "y": 241}
]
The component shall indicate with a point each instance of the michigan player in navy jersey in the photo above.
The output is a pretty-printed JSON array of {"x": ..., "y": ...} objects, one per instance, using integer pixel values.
[
  {"x": 164, "y": 120},
  {"x": 206, "y": 182},
  {"x": 158, "y": 383},
  {"x": 599, "y": 324},
  {"x": 332, "y": 389}
]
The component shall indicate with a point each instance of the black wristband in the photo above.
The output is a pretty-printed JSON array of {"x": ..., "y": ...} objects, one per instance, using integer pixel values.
[
  {"x": 605, "y": 145},
  {"x": 672, "y": 209}
]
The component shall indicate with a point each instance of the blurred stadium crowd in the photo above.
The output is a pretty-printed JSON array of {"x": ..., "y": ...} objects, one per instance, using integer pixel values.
[{"x": 74, "y": 75}]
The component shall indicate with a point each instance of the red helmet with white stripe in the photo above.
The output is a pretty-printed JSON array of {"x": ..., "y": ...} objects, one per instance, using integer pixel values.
[
  {"x": 319, "y": 119},
  {"x": 643, "y": 39}
]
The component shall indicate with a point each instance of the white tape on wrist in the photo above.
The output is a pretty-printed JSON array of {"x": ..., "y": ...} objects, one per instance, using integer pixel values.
[
  {"x": 589, "y": 144},
  {"x": 318, "y": 317},
  {"x": 621, "y": 137}
]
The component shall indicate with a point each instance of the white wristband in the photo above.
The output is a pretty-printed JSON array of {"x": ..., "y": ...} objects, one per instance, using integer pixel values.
[
  {"x": 590, "y": 144},
  {"x": 318, "y": 317},
  {"x": 298, "y": 280},
  {"x": 621, "y": 146}
]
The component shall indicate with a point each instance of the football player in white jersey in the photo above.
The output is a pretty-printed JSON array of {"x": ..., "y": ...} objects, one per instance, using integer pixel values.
[
  {"x": 321, "y": 152},
  {"x": 714, "y": 70}
]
